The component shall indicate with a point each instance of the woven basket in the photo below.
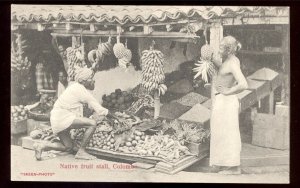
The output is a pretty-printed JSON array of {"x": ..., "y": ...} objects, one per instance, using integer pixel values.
[{"x": 38, "y": 117}]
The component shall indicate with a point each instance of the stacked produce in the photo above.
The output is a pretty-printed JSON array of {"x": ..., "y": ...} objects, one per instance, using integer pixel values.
[
  {"x": 18, "y": 61},
  {"x": 156, "y": 145},
  {"x": 103, "y": 140},
  {"x": 122, "y": 122},
  {"x": 143, "y": 101},
  {"x": 153, "y": 74},
  {"x": 205, "y": 66},
  {"x": 45, "y": 134},
  {"x": 123, "y": 54},
  {"x": 186, "y": 131},
  {"x": 118, "y": 100},
  {"x": 18, "y": 113}
]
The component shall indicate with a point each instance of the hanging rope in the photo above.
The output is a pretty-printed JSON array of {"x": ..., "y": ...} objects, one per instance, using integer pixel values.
[
  {"x": 205, "y": 33},
  {"x": 152, "y": 45}
]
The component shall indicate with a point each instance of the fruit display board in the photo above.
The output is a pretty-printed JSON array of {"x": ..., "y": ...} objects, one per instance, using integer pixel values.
[
  {"x": 118, "y": 100},
  {"x": 120, "y": 136}
]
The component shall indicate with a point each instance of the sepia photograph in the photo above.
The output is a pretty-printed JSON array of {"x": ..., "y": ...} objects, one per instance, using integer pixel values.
[{"x": 136, "y": 93}]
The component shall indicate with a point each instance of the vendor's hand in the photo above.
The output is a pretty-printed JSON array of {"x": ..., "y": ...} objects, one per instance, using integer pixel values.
[
  {"x": 223, "y": 90},
  {"x": 97, "y": 117}
]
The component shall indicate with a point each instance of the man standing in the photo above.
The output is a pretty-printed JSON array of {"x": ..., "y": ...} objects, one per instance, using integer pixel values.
[
  {"x": 65, "y": 116},
  {"x": 225, "y": 142}
]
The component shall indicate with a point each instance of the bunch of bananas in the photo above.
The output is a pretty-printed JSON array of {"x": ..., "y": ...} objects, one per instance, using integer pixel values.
[
  {"x": 97, "y": 55},
  {"x": 18, "y": 62},
  {"x": 153, "y": 71}
]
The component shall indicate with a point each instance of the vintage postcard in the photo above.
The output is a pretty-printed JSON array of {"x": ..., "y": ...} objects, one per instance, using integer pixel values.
[{"x": 110, "y": 93}]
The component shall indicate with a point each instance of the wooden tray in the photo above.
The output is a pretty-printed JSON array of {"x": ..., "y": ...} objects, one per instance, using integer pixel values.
[{"x": 126, "y": 156}]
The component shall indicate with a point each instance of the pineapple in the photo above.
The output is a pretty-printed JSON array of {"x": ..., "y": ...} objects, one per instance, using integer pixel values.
[{"x": 205, "y": 66}]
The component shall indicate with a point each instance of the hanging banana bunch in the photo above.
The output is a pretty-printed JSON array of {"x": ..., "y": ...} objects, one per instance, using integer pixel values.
[
  {"x": 97, "y": 55},
  {"x": 106, "y": 48},
  {"x": 153, "y": 71},
  {"x": 18, "y": 62},
  {"x": 74, "y": 60},
  {"x": 205, "y": 66}
]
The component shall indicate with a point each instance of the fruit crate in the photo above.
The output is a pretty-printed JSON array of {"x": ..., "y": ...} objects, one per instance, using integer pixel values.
[
  {"x": 197, "y": 148},
  {"x": 18, "y": 127},
  {"x": 271, "y": 131}
]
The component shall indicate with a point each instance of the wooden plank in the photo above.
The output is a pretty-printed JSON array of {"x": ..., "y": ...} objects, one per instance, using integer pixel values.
[
  {"x": 254, "y": 20},
  {"x": 124, "y": 156},
  {"x": 186, "y": 162},
  {"x": 143, "y": 165},
  {"x": 154, "y": 34}
]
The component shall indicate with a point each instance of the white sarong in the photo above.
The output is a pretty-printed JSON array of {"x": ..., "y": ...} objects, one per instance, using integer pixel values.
[{"x": 225, "y": 142}]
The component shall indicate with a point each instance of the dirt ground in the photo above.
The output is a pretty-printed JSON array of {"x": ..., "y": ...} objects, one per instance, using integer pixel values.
[{"x": 62, "y": 167}]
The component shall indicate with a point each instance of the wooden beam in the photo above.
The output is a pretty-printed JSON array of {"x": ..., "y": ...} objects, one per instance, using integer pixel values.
[
  {"x": 69, "y": 26},
  {"x": 252, "y": 20},
  {"x": 40, "y": 27},
  {"x": 120, "y": 30},
  {"x": 93, "y": 27},
  {"x": 147, "y": 29},
  {"x": 154, "y": 34}
]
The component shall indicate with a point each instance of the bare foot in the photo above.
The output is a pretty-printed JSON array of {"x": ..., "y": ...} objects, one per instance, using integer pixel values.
[
  {"x": 231, "y": 171},
  {"x": 84, "y": 155},
  {"x": 215, "y": 169},
  {"x": 38, "y": 149}
]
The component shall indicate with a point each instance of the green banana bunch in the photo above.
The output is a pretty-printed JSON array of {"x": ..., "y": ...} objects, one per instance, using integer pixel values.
[{"x": 153, "y": 71}]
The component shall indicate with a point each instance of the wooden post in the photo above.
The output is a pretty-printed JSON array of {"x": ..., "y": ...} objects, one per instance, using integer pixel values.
[
  {"x": 216, "y": 35},
  {"x": 74, "y": 41},
  {"x": 156, "y": 105},
  {"x": 285, "y": 63},
  {"x": 271, "y": 102}
]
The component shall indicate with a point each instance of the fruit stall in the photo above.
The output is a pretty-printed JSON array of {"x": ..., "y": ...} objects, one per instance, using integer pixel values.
[{"x": 151, "y": 66}]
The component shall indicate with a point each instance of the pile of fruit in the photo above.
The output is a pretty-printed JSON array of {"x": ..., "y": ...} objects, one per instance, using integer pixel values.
[
  {"x": 186, "y": 131},
  {"x": 143, "y": 101},
  {"x": 103, "y": 140},
  {"x": 18, "y": 113},
  {"x": 45, "y": 134},
  {"x": 161, "y": 146},
  {"x": 118, "y": 100}
]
